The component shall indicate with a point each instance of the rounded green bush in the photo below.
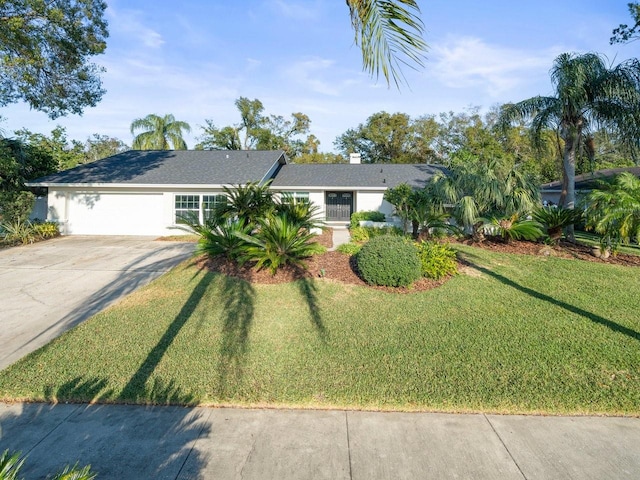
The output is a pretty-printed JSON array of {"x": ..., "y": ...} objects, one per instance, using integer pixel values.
[{"x": 389, "y": 260}]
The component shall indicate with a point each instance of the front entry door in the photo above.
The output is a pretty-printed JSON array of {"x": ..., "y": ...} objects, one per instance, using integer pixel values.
[{"x": 339, "y": 206}]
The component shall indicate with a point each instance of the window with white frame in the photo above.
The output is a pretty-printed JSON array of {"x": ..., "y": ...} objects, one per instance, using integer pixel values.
[
  {"x": 295, "y": 197},
  {"x": 201, "y": 205}
]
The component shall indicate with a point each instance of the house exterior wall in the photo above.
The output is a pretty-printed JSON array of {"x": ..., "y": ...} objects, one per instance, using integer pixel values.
[{"x": 366, "y": 201}]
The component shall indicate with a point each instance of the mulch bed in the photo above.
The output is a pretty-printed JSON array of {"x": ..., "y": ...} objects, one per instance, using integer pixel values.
[{"x": 339, "y": 267}]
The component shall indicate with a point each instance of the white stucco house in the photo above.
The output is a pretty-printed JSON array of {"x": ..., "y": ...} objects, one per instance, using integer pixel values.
[{"x": 144, "y": 192}]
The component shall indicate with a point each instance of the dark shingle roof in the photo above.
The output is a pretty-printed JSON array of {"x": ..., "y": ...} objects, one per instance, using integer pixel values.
[
  {"x": 589, "y": 180},
  {"x": 171, "y": 167},
  {"x": 355, "y": 175}
]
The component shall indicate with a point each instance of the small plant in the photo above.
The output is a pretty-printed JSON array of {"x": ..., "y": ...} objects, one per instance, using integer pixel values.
[
  {"x": 369, "y": 215},
  {"x": 514, "y": 228},
  {"x": 46, "y": 229},
  {"x": 555, "y": 219},
  {"x": 10, "y": 465},
  {"x": 363, "y": 234},
  {"x": 438, "y": 260},
  {"x": 304, "y": 214},
  {"x": 389, "y": 260},
  {"x": 18, "y": 231},
  {"x": 349, "y": 248},
  {"x": 278, "y": 242}
]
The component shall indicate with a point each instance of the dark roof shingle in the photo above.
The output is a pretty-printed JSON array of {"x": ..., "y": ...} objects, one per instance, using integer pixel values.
[
  {"x": 364, "y": 175},
  {"x": 171, "y": 167}
]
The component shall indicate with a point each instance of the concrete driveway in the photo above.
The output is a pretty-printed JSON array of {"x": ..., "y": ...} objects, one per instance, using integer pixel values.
[{"x": 49, "y": 287}]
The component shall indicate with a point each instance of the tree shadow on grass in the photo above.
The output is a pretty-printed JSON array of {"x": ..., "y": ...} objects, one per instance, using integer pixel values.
[
  {"x": 137, "y": 387},
  {"x": 309, "y": 292},
  {"x": 239, "y": 306},
  {"x": 541, "y": 296},
  {"x": 116, "y": 440}
]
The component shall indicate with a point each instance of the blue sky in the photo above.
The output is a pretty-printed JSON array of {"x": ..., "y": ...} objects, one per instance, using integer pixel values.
[{"x": 195, "y": 57}]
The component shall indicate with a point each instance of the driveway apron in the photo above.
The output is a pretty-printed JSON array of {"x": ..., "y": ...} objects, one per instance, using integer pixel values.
[{"x": 49, "y": 287}]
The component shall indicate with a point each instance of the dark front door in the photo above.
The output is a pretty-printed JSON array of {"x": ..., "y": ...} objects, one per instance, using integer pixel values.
[{"x": 339, "y": 206}]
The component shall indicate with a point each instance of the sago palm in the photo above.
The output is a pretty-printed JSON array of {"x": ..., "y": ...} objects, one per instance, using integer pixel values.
[
  {"x": 159, "y": 133},
  {"x": 389, "y": 32},
  {"x": 587, "y": 94},
  {"x": 247, "y": 203}
]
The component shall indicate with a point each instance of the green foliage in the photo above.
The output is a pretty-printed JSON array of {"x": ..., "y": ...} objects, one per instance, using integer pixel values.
[
  {"x": 44, "y": 54},
  {"x": 625, "y": 33},
  {"x": 438, "y": 260},
  {"x": 10, "y": 465},
  {"x": 46, "y": 229},
  {"x": 303, "y": 214},
  {"x": 218, "y": 236},
  {"x": 514, "y": 228},
  {"x": 349, "y": 248},
  {"x": 391, "y": 138},
  {"x": 278, "y": 242},
  {"x": 555, "y": 219},
  {"x": 368, "y": 215},
  {"x": 613, "y": 209},
  {"x": 16, "y": 206},
  {"x": 363, "y": 234},
  {"x": 389, "y": 33},
  {"x": 247, "y": 203},
  {"x": 389, "y": 260},
  {"x": 65, "y": 154},
  {"x": 159, "y": 133},
  {"x": 17, "y": 232}
]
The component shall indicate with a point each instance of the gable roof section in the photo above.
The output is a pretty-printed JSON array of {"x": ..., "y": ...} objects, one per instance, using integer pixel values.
[
  {"x": 587, "y": 181},
  {"x": 346, "y": 175},
  {"x": 171, "y": 167}
]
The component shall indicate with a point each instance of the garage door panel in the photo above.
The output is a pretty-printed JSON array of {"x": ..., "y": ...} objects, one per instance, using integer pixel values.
[{"x": 114, "y": 214}]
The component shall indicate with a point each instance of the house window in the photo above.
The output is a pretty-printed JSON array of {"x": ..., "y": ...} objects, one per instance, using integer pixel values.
[
  {"x": 295, "y": 197},
  {"x": 200, "y": 206},
  {"x": 209, "y": 203},
  {"x": 185, "y": 204}
]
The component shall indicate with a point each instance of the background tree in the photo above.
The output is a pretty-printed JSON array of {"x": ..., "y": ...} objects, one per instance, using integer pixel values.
[
  {"x": 390, "y": 138},
  {"x": 588, "y": 93},
  {"x": 98, "y": 146},
  {"x": 251, "y": 120},
  {"x": 159, "y": 133},
  {"x": 389, "y": 33},
  {"x": 625, "y": 33},
  {"x": 66, "y": 153},
  {"x": 214, "y": 138},
  {"x": 45, "y": 47}
]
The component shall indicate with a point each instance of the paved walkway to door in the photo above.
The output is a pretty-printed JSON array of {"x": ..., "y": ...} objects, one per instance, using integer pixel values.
[{"x": 50, "y": 286}]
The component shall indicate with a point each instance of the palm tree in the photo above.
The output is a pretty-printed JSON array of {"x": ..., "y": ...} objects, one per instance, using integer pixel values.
[
  {"x": 588, "y": 95},
  {"x": 389, "y": 32},
  {"x": 159, "y": 133}
]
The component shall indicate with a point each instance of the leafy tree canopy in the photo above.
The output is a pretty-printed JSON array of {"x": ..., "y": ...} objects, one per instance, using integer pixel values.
[
  {"x": 45, "y": 47},
  {"x": 625, "y": 33},
  {"x": 66, "y": 154}
]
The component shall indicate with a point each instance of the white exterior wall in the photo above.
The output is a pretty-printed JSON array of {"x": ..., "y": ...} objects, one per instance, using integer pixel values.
[
  {"x": 366, "y": 201},
  {"x": 116, "y": 211}
]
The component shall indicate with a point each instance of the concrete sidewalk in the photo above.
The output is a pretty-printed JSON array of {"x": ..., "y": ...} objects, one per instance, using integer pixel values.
[{"x": 185, "y": 443}]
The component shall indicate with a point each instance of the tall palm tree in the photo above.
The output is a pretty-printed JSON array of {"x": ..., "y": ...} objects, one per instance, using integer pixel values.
[
  {"x": 159, "y": 133},
  {"x": 588, "y": 94},
  {"x": 389, "y": 32}
]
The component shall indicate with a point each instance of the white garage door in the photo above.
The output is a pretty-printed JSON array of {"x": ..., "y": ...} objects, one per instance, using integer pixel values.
[{"x": 114, "y": 214}]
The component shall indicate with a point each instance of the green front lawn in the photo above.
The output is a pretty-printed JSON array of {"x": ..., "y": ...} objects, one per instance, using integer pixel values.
[{"x": 513, "y": 334}]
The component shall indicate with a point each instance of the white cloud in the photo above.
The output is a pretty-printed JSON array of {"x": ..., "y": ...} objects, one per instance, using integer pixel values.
[
  {"x": 128, "y": 22},
  {"x": 471, "y": 63}
]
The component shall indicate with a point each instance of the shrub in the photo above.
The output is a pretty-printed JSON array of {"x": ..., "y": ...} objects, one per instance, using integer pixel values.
[
  {"x": 222, "y": 239},
  {"x": 555, "y": 219},
  {"x": 278, "y": 242},
  {"x": 514, "y": 228},
  {"x": 46, "y": 229},
  {"x": 369, "y": 215},
  {"x": 437, "y": 260},
  {"x": 18, "y": 231},
  {"x": 16, "y": 206},
  {"x": 363, "y": 234},
  {"x": 349, "y": 248},
  {"x": 304, "y": 214},
  {"x": 389, "y": 260}
]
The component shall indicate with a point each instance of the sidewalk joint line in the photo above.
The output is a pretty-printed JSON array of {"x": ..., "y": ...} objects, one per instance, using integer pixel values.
[
  {"x": 186, "y": 458},
  {"x": 54, "y": 428},
  {"x": 505, "y": 446},
  {"x": 346, "y": 419}
]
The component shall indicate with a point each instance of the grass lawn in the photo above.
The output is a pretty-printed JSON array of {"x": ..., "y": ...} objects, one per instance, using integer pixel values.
[
  {"x": 591, "y": 239},
  {"x": 514, "y": 334}
]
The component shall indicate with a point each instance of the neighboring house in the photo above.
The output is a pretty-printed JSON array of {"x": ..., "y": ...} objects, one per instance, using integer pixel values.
[
  {"x": 550, "y": 192},
  {"x": 144, "y": 192}
]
